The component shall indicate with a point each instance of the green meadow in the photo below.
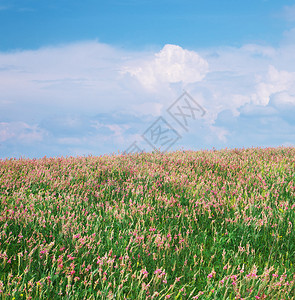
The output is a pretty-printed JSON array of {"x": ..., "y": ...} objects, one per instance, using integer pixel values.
[{"x": 177, "y": 225}]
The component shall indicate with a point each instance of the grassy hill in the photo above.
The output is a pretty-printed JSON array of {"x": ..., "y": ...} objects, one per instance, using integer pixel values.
[{"x": 179, "y": 225}]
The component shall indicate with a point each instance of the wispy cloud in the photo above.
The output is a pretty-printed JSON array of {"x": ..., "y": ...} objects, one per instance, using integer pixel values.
[
  {"x": 20, "y": 132},
  {"x": 289, "y": 13}
]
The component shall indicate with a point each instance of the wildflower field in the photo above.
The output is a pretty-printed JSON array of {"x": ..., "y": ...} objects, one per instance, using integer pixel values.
[{"x": 179, "y": 225}]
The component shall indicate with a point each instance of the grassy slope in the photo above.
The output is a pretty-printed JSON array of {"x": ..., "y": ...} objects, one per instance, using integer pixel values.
[{"x": 212, "y": 225}]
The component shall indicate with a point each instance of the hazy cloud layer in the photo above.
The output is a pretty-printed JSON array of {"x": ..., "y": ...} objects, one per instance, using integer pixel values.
[
  {"x": 289, "y": 13},
  {"x": 90, "y": 97}
]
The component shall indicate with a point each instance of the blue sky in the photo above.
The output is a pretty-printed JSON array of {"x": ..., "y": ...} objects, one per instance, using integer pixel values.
[
  {"x": 91, "y": 77},
  {"x": 138, "y": 24}
]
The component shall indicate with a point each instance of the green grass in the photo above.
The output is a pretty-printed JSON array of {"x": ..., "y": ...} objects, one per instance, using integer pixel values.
[{"x": 181, "y": 225}]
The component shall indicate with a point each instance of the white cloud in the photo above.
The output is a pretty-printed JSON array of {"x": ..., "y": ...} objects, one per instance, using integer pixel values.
[
  {"x": 171, "y": 65},
  {"x": 219, "y": 133},
  {"x": 148, "y": 108},
  {"x": 276, "y": 81},
  {"x": 118, "y": 132},
  {"x": 254, "y": 49},
  {"x": 5, "y": 132},
  {"x": 20, "y": 132},
  {"x": 284, "y": 98},
  {"x": 82, "y": 77}
]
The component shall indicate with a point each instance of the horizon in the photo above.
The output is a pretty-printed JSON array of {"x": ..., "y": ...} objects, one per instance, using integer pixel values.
[{"x": 119, "y": 154}]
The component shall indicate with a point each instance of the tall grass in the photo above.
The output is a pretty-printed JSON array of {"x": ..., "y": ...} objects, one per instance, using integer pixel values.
[{"x": 180, "y": 225}]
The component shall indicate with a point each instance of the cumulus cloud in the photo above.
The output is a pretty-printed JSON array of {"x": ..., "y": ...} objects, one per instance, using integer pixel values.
[
  {"x": 171, "y": 65},
  {"x": 276, "y": 81},
  {"x": 283, "y": 99}
]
